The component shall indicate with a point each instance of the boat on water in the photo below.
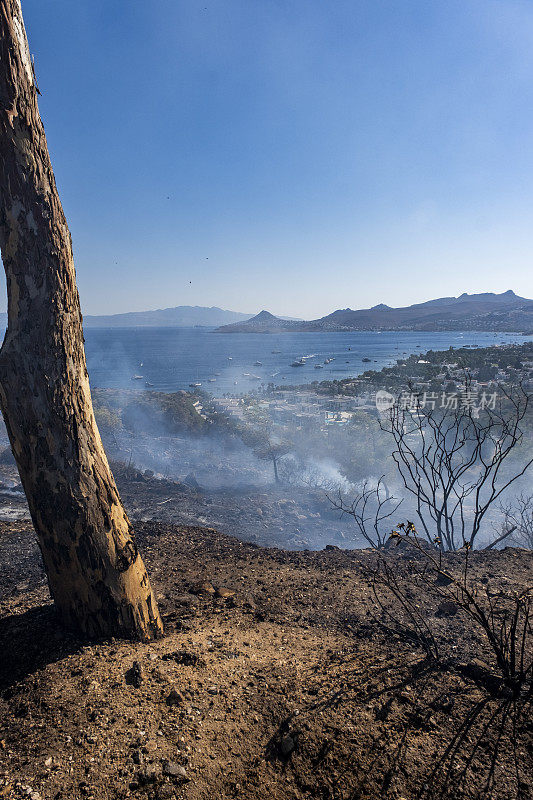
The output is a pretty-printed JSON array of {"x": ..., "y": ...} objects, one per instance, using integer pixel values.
[
  {"x": 319, "y": 366},
  {"x": 245, "y": 374},
  {"x": 212, "y": 380},
  {"x": 136, "y": 377},
  {"x": 276, "y": 352},
  {"x": 328, "y": 360},
  {"x": 194, "y": 385},
  {"x": 258, "y": 363},
  {"x": 148, "y": 384},
  {"x": 366, "y": 360},
  {"x": 299, "y": 363}
]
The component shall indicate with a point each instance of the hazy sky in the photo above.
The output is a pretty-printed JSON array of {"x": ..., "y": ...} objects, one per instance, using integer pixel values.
[{"x": 294, "y": 155}]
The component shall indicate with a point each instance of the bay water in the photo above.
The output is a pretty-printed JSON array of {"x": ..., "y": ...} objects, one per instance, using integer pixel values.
[{"x": 169, "y": 359}]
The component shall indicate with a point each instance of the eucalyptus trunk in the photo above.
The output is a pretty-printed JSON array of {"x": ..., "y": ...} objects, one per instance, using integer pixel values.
[{"x": 96, "y": 575}]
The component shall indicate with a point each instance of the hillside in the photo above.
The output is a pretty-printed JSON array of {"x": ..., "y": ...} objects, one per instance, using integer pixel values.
[
  {"x": 279, "y": 677},
  {"x": 487, "y": 311},
  {"x": 264, "y": 322}
]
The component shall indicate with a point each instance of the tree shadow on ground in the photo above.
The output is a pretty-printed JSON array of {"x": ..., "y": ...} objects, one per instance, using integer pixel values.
[
  {"x": 483, "y": 737},
  {"x": 31, "y": 640}
]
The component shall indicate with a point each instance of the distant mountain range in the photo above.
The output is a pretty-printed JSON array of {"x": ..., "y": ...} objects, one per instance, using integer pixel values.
[
  {"x": 483, "y": 312},
  {"x": 177, "y": 317}
]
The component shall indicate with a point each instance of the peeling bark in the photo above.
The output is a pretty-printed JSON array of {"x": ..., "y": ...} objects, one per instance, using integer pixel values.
[{"x": 96, "y": 575}]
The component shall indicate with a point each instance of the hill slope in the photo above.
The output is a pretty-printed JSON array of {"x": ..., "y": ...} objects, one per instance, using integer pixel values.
[
  {"x": 264, "y": 322},
  {"x": 277, "y": 678},
  {"x": 487, "y": 311}
]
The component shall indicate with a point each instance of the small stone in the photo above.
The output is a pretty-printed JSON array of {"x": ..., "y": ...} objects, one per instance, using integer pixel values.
[
  {"x": 148, "y": 775},
  {"x": 174, "y": 770},
  {"x": 137, "y": 757},
  {"x": 174, "y": 698},
  {"x": 287, "y": 746},
  {"x": 224, "y": 593},
  {"x": 134, "y": 675}
]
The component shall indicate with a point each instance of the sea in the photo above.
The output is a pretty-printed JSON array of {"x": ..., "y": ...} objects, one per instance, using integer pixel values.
[{"x": 170, "y": 359}]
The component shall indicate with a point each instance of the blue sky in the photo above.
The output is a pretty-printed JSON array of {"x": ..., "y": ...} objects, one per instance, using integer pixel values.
[{"x": 294, "y": 155}]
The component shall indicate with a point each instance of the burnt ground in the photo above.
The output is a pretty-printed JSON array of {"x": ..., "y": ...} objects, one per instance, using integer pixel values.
[
  {"x": 278, "y": 677},
  {"x": 296, "y": 518}
]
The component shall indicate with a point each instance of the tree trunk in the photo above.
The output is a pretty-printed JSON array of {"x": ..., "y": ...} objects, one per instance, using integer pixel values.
[{"x": 96, "y": 576}]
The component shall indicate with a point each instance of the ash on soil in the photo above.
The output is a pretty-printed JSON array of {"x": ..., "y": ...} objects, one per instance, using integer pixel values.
[
  {"x": 282, "y": 516},
  {"x": 278, "y": 677}
]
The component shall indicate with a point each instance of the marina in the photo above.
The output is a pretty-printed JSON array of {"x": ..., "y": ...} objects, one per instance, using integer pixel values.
[{"x": 199, "y": 359}]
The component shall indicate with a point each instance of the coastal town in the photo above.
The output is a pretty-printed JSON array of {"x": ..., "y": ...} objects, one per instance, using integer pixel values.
[{"x": 432, "y": 380}]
